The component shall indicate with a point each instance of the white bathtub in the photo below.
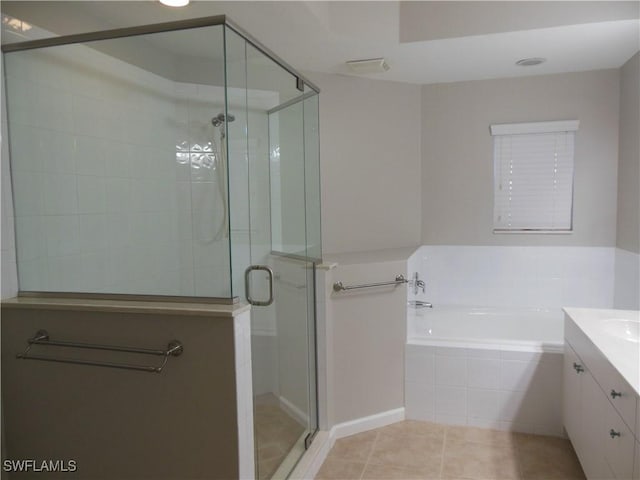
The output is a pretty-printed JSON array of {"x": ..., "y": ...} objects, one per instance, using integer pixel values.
[
  {"x": 525, "y": 329},
  {"x": 489, "y": 367}
]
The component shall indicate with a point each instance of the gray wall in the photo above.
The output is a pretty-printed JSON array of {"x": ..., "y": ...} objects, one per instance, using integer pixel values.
[
  {"x": 457, "y": 154},
  {"x": 366, "y": 335},
  {"x": 629, "y": 158},
  {"x": 370, "y": 168}
]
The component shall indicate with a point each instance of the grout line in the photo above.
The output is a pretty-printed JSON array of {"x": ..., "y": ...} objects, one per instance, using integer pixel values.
[
  {"x": 373, "y": 447},
  {"x": 444, "y": 444},
  {"x": 517, "y": 455}
]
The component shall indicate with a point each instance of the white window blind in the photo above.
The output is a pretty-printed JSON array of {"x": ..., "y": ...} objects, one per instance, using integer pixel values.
[{"x": 533, "y": 166}]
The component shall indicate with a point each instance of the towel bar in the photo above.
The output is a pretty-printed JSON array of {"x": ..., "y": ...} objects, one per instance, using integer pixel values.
[
  {"x": 174, "y": 349},
  {"x": 338, "y": 286}
]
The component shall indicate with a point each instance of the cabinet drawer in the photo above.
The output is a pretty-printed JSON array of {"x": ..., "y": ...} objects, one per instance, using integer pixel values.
[
  {"x": 618, "y": 391},
  {"x": 619, "y": 445},
  {"x": 616, "y": 388}
]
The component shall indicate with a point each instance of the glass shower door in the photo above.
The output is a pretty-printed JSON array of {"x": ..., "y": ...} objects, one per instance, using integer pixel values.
[{"x": 273, "y": 171}]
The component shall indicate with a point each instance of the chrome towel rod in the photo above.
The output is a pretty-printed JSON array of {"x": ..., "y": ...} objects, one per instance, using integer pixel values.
[
  {"x": 174, "y": 349},
  {"x": 339, "y": 287}
]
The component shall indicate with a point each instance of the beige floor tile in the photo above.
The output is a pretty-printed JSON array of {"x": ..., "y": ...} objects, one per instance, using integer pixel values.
[
  {"x": 460, "y": 434},
  {"x": 389, "y": 472},
  {"x": 275, "y": 434},
  {"x": 414, "y": 427},
  {"x": 355, "y": 448},
  {"x": 335, "y": 469},
  {"x": 408, "y": 451},
  {"x": 547, "y": 458},
  {"x": 266, "y": 468},
  {"x": 479, "y": 461},
  {"x": 270, "y": 451}
]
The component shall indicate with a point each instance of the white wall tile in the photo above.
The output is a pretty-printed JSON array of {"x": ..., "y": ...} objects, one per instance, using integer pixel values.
[
  {"x": 516, "y": 375},
  {"x": 92, "y": 231},
  {"x": 512, "y": 407},
  {"x": 627, "y": 280},
  {"x": 484, "y": 372},
  {"x": 451, "y": 401},
  {"x": 451, "y": 370},
  {"x": 92, "y": 194},
  {"x": 89, "y": 155},
  {"x": 60, "y": 194},
  {"x": 518, "y": 276},
  {"x": 62, "y": 235},
  {"x": 420, "y": 367},
  {"x": 28, "y": 193},
  {"x": 420, "y": 400},
  {"x": 32, "y": 241},
  {"x": 483, "y": 404}
]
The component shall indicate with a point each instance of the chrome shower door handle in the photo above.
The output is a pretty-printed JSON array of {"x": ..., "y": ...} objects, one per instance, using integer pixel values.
[{"x": 247, "y": 287}]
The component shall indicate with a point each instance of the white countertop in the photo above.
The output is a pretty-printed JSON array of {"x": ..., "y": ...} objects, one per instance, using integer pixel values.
[{"x": 623, "y": 354}]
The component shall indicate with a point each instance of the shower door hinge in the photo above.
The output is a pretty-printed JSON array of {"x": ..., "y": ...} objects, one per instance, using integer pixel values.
[
  {"x": 308, "y": 439},
  {"x": 299, "y": 84}
]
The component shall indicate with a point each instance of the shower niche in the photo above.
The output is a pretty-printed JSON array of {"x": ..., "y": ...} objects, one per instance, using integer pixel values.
[{"x": 162, "y": 162}]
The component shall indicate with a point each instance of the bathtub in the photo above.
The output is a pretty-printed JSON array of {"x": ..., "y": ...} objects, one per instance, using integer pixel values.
[
  {"x": 526, "y": 329},
  {"x": 495, "y": 368}
]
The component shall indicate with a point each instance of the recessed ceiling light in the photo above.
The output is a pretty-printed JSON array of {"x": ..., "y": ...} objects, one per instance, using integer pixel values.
[
  {"x": 175, "y": 3},
  {"x": 530, "y": 62},
  {"x": 370, "y": 65}
]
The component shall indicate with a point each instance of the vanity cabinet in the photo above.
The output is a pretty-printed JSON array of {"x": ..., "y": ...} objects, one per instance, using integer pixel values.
[{"x": 599, "y": 409}]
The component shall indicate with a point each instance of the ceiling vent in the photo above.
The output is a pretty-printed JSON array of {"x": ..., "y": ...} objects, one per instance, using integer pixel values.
[{"x": 371, "y": 65}]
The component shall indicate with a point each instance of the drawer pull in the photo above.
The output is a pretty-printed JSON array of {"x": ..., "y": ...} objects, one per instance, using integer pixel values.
[
  {"x": 578, "y": 368},
  {"x": 613, "y": 433},
  {"x": 615, "y": 394}
]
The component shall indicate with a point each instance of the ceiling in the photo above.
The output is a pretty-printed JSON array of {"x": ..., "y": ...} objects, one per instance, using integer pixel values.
[{"x": 423, "y": 42}]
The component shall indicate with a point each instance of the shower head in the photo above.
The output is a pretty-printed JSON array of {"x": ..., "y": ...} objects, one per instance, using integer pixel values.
[{"x": 221, "y": 118}]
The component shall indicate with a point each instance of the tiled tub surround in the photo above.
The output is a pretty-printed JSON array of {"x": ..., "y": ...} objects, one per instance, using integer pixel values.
[
  {"x": 495, "y": 359},
  {"x": 107, "y": 157},
  {"x": 627, "y": 280},
  {"x": 503, "y": 389},
  {"x": 509, "y": 276}
]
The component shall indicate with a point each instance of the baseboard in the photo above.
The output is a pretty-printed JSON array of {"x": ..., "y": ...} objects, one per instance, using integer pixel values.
[
  {"x": 364, "y": 424},
  {"x": 313, "y": 459},
  {"x": 294, "y": 412}
]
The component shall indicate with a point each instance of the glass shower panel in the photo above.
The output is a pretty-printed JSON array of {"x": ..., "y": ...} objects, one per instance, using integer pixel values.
[
  {"x": 236, "y": 121},
  {"x": 286, "y": 140},
  {"x": 312, "y": 175},
  {"x": 118, "y": 170},
  {"x": 282, "y": 333}
]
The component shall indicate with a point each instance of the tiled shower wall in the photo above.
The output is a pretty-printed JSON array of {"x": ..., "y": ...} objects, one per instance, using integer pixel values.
[{"x": 95, "y": 166}]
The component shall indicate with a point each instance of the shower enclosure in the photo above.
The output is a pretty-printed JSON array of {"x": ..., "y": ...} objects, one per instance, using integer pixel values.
[{"x": 177, "y": 161}]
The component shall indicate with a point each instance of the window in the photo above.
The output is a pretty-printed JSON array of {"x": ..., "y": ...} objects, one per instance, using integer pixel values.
[{"x": 533, "y": 176}]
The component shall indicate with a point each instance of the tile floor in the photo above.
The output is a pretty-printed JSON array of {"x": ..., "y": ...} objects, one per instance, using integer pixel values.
[
  {"x": 275, "y": 434},
  {"x": 423, "y": 450}
]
